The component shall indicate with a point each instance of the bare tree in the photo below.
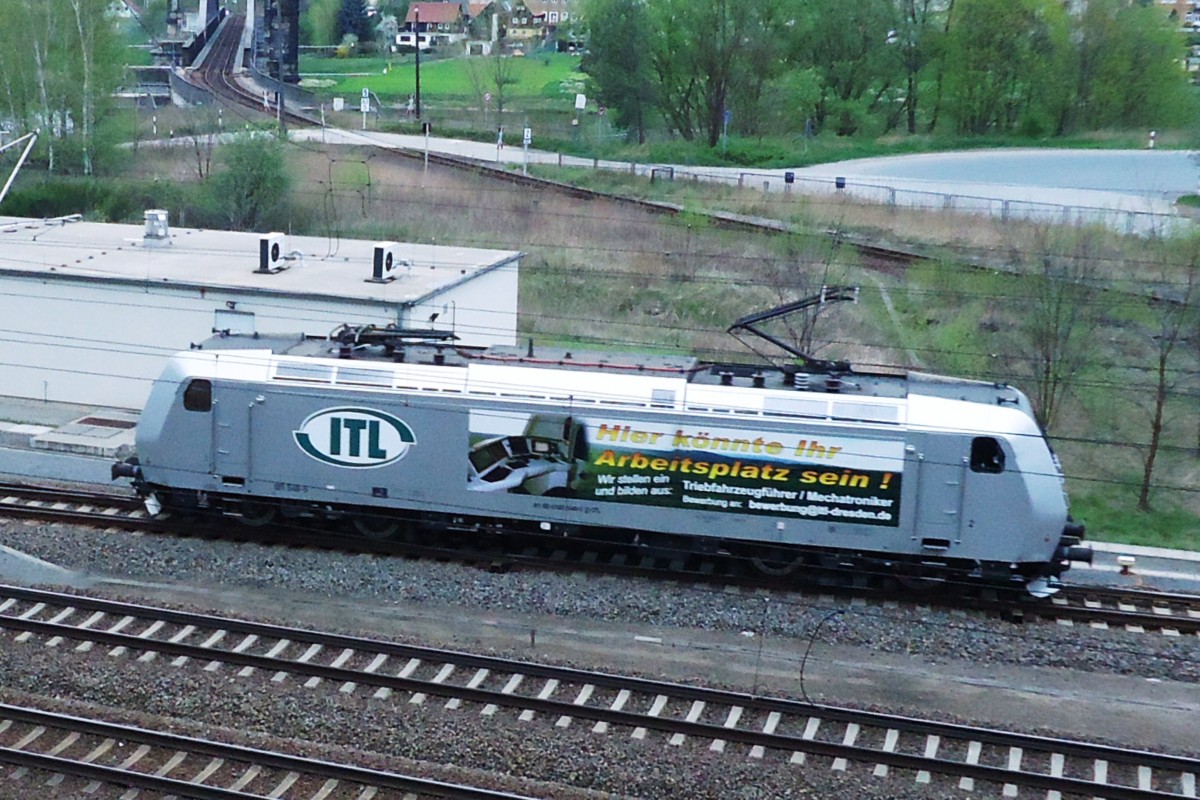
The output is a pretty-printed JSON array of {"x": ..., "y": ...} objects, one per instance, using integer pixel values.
[
  {"x": 492, "y": 74},
  {"x": 1175, "y": 317},
  {"x": 805, "y": 270},
  {"x": 203, "y": 139},
  {"x": 1060, "y": 310}
]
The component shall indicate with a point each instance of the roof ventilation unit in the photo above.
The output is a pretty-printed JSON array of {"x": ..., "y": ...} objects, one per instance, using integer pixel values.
[
  {"x": 270, "y": 253},
  {"x": 157, "y": 231},
  {"x": 386, "y": 262}
]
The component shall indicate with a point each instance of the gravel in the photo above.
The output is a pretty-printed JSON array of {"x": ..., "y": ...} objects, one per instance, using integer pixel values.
[{"x": 534, "y": 758}]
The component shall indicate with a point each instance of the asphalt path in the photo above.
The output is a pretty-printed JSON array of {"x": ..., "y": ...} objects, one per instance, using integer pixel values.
[{"x": 1134, "y": 190}]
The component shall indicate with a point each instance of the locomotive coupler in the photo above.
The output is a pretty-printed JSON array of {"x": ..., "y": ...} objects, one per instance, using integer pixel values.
[
  {"x": 129, "y": 468},
  {"x": 1069, "y": 547}
]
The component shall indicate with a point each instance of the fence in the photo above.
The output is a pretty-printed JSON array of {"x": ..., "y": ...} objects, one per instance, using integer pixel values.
[{"x": 1141, "y": 221}]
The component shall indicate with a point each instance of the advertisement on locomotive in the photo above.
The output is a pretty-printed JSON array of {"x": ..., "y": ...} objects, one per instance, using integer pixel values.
[{"x": 807, "y": 475}]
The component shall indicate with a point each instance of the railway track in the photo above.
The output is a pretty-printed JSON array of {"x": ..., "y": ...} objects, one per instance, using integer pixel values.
[
  {"x": 728, "y": 724},
  {"x": 1133, "y": 610},
  {"x": 218, "y": 74},
  {"x": 73, "y": 505},
  {"x": 46, "y": 749},
  {"x": 1170, "y": 613}
]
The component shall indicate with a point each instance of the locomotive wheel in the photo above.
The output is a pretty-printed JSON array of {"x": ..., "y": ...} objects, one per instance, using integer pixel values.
[
  {"x": 919, "y": 580},
  {"x": 377, "y": 528},
  {"x": 256, "y": 515},
  {"x": 776, "y": 561}
]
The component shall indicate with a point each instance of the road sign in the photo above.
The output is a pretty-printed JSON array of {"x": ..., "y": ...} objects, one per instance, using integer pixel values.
[
  {"x": 366, "y": 93},
  {"x": 580, "y": 102},
  {"x": 364, "y": 105},
  {"x": 528, "y": 135}
]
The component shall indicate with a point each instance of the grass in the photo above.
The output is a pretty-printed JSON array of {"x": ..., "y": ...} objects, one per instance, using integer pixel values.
[
  {"x": 535, "y": 79},
  {"x": 1113, "y": 520},
  {"x": 542, "y": 95}
]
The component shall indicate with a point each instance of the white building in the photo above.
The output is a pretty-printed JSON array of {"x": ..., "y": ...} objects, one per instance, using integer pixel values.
[{"x": 90, "y": 310}]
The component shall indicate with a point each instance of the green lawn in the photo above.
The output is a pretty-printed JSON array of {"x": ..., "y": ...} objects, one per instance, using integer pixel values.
[{"x": 542, "y": 76}]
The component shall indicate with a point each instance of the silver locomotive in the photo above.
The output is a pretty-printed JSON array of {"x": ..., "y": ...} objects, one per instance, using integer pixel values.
[{"x": 920, "y": 477}]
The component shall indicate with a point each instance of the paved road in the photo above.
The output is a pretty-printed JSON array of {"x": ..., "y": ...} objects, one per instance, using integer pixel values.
[{"x": 1132, "y": 190}]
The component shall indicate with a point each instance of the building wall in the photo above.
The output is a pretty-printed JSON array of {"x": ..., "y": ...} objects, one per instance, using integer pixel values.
[
  {"x": 102, "y": 342},
  {"x": 481, "y": 311}
]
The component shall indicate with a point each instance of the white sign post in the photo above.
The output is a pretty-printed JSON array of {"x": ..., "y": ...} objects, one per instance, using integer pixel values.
[
  {"x": 580, "y": 105},
  {"x": 526, "y": 139},
  {"x": 364, "y": 105}
]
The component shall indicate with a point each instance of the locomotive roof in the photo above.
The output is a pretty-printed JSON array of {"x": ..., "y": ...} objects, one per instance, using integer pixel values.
[
  {"x": 71, "y": 248},
  {"x": 658, "y": 381}
]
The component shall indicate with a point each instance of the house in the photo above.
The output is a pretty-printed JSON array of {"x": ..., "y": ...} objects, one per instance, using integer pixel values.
[
  {"x": 540, "y": 19},
  {"x": 433, "y": 25},
  {"x": 487, "y": 20}
]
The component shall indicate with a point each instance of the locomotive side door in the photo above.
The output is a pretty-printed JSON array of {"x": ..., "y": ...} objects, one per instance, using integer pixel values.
[
  {"x": 942, "y": 463},
  {"x": 231, "y": 434},
  {"x": 991, "y": 482}
]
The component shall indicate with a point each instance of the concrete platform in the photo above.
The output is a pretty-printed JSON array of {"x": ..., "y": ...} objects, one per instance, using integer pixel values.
[
  {"x": 66, "y": 428},
  {"x": 108, "y": 434},
  {"x": 63, "y": 441}
]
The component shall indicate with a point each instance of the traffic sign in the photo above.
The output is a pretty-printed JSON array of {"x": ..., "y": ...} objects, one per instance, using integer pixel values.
[
  {"x": 364, "y": 105},
  {"x": 580, "y": 102},
  {"x": 366, "y": 93},
  {"x": 528, "y": 135}
]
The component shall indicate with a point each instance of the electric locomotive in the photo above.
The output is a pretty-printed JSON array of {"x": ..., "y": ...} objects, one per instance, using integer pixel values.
[{"x": 799, "y": 468}]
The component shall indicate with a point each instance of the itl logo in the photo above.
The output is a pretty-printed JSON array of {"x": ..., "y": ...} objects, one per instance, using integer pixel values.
[{"x": 354, "y": 437}]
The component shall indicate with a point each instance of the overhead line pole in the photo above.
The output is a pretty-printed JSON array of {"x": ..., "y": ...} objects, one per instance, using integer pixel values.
[
  {"x": 417, "y": 43},
  {"x": 32, "y": 137}
]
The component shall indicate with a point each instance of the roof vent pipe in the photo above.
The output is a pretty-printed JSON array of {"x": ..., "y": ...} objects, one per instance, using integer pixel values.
[{"x": 157, "y": 230}]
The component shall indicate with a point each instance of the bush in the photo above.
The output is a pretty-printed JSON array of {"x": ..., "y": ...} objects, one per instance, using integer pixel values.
[{"x": 103, "y": 201}]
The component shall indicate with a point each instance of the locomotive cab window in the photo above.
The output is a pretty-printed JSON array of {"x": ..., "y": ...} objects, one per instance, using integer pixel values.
[
  {"x": 986, "y": 455},
  {"x": 198, "y": 396}
]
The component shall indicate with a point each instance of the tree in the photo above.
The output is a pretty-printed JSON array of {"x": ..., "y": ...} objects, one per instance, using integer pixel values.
[
  {"x": 88, "y": 16},
  {"x": 352, "y": 20},
  {"x": 319, "y": 23},
  {"x": 1059, "y": 313},
  {"x": 847, "y": 44},
  {"x": 695, "y": 52},
  {"x": 915, "y": 39},
  {"x": 1174, "y": 317},
  {"x": 60, "y": 61},
  {"x": 671, "y": 58},
  {"x": 1129, "y": 65},
  {"x": 252, "y": 186},
  {"x": 759, "y": 68},
  {"x": 618, "y": 61},
  {"x": 492, "y": 74},
  {"x": 1003, "y": 63}
]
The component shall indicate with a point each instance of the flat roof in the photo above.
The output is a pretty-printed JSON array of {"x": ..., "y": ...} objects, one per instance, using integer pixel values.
[{"x": 317, "y": 266}]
